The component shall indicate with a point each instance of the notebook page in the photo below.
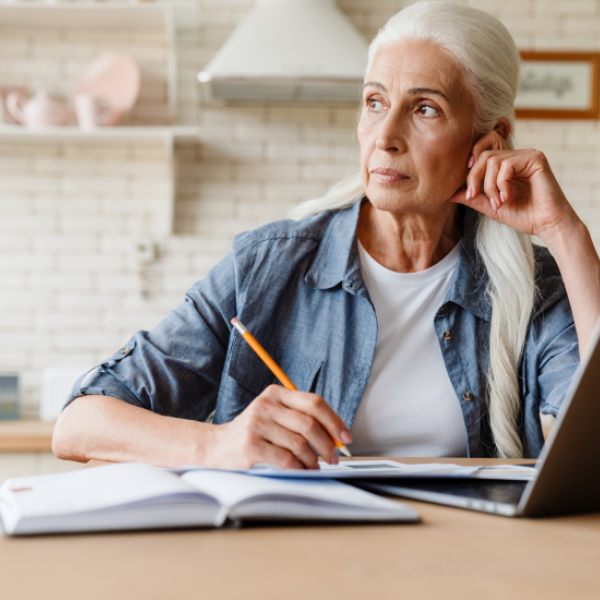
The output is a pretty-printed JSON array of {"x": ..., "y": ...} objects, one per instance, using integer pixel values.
[
  {"x": 88, "y": 489},
  {"x": 232, "y": 489}
]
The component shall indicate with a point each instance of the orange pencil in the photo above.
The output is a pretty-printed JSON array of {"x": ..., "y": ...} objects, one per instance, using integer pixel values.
[{"x": 275, "y": 368}]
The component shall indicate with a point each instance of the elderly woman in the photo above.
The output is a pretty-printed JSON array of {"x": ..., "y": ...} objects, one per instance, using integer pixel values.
[{"x": 408, "y": 304}]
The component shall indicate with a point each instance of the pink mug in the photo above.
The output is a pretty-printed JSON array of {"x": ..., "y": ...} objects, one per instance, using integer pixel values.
[{"x": 92, "y": 112}]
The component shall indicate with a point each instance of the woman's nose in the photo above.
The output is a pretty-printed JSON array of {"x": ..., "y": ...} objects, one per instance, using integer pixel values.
[
  {"x": 390, "y": 137},
  {"x": 386, "y": 145}
]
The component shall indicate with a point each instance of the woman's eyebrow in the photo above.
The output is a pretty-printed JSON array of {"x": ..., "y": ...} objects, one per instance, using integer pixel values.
[
  {"x": 375, "y": 84},
  {"x": 417, "y": 91}
]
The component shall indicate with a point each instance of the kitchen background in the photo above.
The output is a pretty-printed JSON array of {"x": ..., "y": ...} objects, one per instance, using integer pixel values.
[{"x": 89, "y": 252}]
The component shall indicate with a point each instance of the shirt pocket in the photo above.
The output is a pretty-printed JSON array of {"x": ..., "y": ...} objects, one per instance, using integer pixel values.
[{"x": 250, "y": 372}]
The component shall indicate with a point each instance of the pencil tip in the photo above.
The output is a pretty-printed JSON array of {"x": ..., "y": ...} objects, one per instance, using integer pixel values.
[{"x": 346, "y": 452}]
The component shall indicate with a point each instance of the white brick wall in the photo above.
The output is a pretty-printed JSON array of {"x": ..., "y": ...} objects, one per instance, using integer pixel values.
[{"x": 70, "y": 214}]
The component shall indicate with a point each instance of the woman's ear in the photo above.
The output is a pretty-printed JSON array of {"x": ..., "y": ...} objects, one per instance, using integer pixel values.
[{"x": 503, "y": 127}]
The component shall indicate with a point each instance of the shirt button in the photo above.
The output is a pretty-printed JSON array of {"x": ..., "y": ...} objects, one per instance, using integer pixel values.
[
  {"x": 447, "y": 335},
  {"x": 468, "y": 396},
  {"x": 125, "y": 350},
  {"x": 443, "y": 308}
]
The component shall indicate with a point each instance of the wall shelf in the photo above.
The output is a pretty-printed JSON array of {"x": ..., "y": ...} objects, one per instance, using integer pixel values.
[
  {"x": 168, "y": 16},
  {"x": 109, "y": 14},
  {"x": 100, "y": 135}
]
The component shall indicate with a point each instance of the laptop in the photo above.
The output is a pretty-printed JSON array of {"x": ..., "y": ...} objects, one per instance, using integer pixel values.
[{"x": 568, "y": 470}]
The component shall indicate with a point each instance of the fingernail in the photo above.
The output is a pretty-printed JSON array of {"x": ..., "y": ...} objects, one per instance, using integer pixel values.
[
  {"x": 335, "y": 459},
  {"x": 502, "y": 197},
  {"x": 469, "y": 194},
  {"x": 471, "y": 162},
  {"x": 346, "y": 437},
  {"x": 494, "y": 205}
]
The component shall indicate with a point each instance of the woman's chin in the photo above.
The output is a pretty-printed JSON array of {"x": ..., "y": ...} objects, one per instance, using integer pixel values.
[{"x": 402, "y": 202}]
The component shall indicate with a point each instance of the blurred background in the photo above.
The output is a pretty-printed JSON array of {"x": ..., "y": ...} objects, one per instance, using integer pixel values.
[{"x": 102, "y": 229}]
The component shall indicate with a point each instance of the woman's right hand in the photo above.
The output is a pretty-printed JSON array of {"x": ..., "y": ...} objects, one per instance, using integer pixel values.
[{"x": 279, "y": 427}]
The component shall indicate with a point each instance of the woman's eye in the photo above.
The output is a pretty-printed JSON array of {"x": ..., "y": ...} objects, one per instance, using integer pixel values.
[
  {"x": 373, "y": 104},
  {"x": 427, "y": 111}
]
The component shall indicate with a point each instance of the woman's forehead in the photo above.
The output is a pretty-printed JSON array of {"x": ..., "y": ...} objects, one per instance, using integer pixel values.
[{"x": 415, "y": 64}]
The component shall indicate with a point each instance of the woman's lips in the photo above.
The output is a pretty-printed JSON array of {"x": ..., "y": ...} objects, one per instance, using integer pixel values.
[{"x": 388, "y": 175}]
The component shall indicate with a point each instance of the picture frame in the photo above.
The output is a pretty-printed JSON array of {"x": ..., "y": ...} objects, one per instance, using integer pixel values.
[{"x": 559, "y": 85}]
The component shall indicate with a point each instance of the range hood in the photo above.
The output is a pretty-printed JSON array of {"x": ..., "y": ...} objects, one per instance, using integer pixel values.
[{"x": 289, "y": 51}]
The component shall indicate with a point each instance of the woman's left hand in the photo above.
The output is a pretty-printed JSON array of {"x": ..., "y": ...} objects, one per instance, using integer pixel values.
[
  {"x": 522, "y": 192},
  {"x": 520, "y": 189}
]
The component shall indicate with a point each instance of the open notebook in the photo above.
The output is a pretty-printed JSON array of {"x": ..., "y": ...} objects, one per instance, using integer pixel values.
[{"x": 139, "y": 496}]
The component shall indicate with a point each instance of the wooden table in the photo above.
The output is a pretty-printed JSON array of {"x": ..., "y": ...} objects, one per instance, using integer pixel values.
[
  {"x": 452, "y": 554},
  {"x": 26, "y": 435}
]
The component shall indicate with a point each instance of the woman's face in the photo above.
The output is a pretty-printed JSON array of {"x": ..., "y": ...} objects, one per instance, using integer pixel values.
[{"x": 415, "y": 129}]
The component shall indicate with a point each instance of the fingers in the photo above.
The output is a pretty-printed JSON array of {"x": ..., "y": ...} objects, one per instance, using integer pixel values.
[
  {"x": 314, "y": 406},
  {"x": 492, "y": 168},
  {"x": 505, "y": 175},
  {"x": 298, "y": 446},
  {"x": 492, "y": 172},
  {"x": 294, "y": 421},
  {"x": 263, "y": 440},
  {"x": 489, "y": 145},
  {"x": 481, "y": 203},
  {"x": 290, "y": 430},
  {"x": 499, "y": 171},
  {"x": 306, "y": 430},
  {"x": 476, "y": 176},
  {"x": 277, "y": 456},
  {"x": 493, "y": 165},
  {"x": 256, "y": 449}
]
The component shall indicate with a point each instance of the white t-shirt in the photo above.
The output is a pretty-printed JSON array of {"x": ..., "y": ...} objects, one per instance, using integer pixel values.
[{"x": 409, "y": 407}]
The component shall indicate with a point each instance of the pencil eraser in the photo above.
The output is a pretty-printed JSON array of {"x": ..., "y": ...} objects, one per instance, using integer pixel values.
[{"x": 234, "y": 320}]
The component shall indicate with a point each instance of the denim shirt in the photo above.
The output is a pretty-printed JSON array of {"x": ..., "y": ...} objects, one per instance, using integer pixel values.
[{"x": 297, "y": 286}]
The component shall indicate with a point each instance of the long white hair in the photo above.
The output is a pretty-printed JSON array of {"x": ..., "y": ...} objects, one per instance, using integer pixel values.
[{"x": 486, "y": 53}]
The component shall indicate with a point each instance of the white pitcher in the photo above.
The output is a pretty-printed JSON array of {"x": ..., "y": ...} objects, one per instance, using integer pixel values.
[{"x": 39, "y": 112}]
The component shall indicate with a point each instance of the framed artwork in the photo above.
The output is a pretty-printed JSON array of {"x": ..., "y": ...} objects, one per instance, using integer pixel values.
[{"x": 559, "y": 85}]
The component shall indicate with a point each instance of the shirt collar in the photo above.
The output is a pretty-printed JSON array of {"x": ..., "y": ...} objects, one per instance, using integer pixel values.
[{"x": 337, "y": 261}]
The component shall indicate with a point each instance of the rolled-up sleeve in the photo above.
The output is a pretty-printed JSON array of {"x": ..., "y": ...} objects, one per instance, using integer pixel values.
[{"x": 176, "y": 368}]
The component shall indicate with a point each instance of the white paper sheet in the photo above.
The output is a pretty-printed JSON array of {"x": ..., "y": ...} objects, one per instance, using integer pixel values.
[{"x": 375, "y": 469}]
